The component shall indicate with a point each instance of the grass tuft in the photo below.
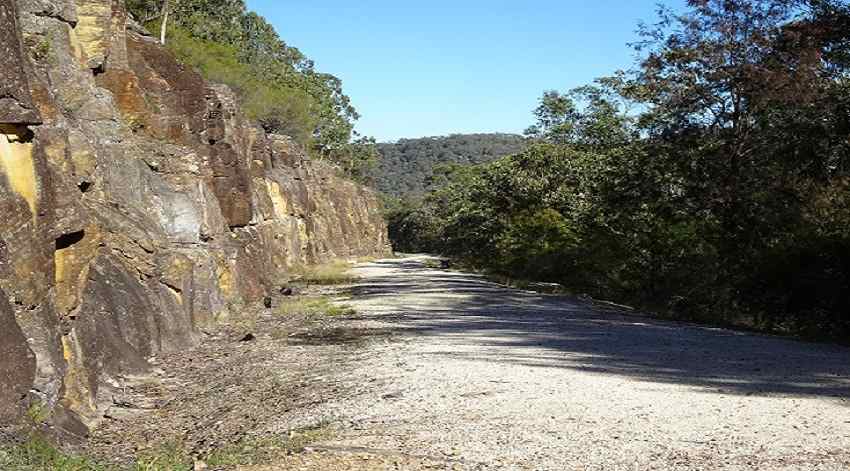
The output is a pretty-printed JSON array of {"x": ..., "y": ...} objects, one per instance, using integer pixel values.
[
  {"x": 38, "y": 454},
  {"x": 169, "y": 456},
  {"x": 331, "y": 273},
  {"x": 264, "y": 450},
  {"x": 38, "y": 413}
]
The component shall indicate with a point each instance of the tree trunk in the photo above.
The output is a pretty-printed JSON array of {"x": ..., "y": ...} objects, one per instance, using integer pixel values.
[{"x": 164, "y": 16}]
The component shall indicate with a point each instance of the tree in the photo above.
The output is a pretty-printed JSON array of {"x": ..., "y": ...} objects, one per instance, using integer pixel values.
[
  {"x": 738, "y": 79},
  {"x": 556, "y": 118},
  {"x": 358, "y": 158},
  {"x": 164, "y": 23},
  {"x": 147, "y": 11},
  {"x": 589, "y": 117}
]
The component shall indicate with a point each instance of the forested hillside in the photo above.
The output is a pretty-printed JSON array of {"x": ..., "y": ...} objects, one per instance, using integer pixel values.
[
  {"x": 711, "y": 182},
  {"x": 407, "y": 167}
]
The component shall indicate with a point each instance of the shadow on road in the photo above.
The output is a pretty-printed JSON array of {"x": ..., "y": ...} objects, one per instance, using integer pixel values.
[{"x": 559, "y": 332}]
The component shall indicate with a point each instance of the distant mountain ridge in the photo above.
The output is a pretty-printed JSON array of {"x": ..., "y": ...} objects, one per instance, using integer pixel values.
[{"x": 407, "y": 164}]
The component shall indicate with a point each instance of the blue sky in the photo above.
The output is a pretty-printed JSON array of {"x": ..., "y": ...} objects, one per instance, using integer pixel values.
[{"x": 438, "y": 67}]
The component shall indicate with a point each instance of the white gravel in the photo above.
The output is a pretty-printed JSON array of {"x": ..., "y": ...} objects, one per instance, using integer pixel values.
[{"x": 486, "y": 377}]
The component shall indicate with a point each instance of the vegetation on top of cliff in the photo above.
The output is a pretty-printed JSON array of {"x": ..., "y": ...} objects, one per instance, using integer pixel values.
[
  {"x": 282, "y": 110},
  {"x": 408, "y": 167},
  {"x": 711, "y": 183},
  {"x": 279, "y": 86}
]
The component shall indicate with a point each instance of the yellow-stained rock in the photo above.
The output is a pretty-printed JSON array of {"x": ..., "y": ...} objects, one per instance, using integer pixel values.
[
  {"x": 16, "y": 164},
  {"x": 93, "y": 30},
  {"x": 76, "y": 46},
  {"x": 77, "y": 396},
  {"x": 72, "y": 260},
  {"x": 281, "y": 209},
  {"x": 225, "y": 279},
  {"x": 177, "y": 274}
]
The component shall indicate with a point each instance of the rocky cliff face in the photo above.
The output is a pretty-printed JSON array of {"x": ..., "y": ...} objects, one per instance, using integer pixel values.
[{"x": 138, "y": 205}]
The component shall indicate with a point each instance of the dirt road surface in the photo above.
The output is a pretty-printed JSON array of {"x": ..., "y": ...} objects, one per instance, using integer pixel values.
[{"x": 480, "y": 376}]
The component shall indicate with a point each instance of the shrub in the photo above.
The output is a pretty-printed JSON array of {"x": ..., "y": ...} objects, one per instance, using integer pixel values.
[
  {"x": 38, "y": 454},
  {"x": 331, "y": 273}
]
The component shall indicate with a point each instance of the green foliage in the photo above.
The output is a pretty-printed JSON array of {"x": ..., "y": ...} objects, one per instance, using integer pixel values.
[
  {"x": 278, "y": 85},
  {"x": 166, "y": 457},
  {"x": 358, "y": 159},
  {"x": 407, "y": 167},
  {"x": 556, "y": 116},
  {"x": 282, "y": 110},
  {"x": 38, "y": 454},
  {"x": 724, "y": 199},
  {"x": 144, "y": 10},
  {"x": 551, "y": 250},
  {"x": 263, "y": 450},
  {"x": 601, "y": 123},
  {"x": 330, "y": 273},
  {"x": 38, "y": 413},
  {"x": 279, "y": 109}
]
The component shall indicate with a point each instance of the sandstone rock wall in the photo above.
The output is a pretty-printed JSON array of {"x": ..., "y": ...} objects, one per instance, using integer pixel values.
[{"x": 138, "y": 205}]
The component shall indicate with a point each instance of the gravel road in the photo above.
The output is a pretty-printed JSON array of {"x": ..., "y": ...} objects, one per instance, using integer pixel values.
[{"x": 480, "y": 376}]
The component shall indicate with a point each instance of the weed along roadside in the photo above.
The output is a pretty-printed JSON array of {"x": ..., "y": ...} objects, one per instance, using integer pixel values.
[
  {"x": 332, "y": 273},
  {"x": 242, "y": 397}
]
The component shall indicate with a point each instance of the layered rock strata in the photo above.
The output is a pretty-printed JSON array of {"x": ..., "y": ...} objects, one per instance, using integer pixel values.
[{"x": 138, "y": 205}]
